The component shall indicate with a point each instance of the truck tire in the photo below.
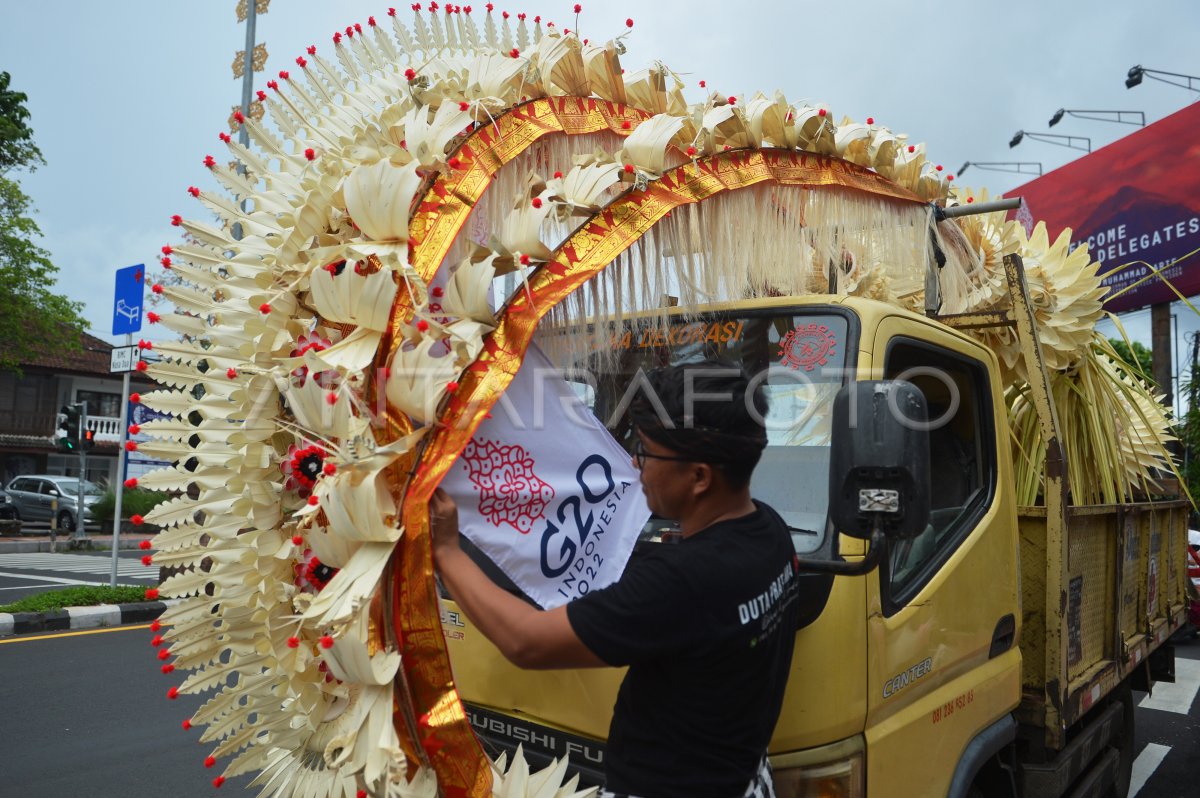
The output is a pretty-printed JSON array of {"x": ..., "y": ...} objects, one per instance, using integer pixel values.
[{"x": 1124, "y": 745}]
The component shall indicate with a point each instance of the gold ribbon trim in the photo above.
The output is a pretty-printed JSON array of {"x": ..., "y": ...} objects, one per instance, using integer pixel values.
[{"x": 588, "y": 251}]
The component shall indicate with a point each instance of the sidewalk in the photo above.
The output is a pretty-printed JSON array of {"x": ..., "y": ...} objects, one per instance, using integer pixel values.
[{"x": 38, "y": 540}]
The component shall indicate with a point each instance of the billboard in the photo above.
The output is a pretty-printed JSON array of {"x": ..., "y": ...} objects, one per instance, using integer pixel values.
[{"x": 1136, "y": 204}]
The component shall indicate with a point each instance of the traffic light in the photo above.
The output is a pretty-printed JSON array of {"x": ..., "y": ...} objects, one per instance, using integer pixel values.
[
  {"x": 89, "y": 438},
  {"x": 67, "y": 433}
]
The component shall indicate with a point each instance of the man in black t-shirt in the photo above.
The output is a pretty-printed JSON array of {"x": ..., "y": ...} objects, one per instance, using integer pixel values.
[{"x": 705, "y": 625}]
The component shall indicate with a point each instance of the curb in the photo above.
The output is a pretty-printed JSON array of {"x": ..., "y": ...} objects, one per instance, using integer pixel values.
[
  {"x": 64, "y": 545},
  {"x": 99, "y": 616}
]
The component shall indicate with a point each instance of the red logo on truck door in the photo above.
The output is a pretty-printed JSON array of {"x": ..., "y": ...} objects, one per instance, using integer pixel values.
[{"x": 807, "y": 346}]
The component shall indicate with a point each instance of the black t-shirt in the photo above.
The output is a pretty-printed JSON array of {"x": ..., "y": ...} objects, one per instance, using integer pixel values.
[{"x": 706, "y": 627}]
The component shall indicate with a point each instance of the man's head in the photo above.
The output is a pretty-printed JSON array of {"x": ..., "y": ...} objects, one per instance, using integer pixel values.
[{"x": 700, "y": 432}]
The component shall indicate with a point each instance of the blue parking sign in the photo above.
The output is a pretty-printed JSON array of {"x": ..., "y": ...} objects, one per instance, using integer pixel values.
[{"x": 128, "y": 300}]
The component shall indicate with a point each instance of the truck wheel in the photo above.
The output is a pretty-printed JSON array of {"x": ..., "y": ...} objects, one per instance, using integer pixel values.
[
  {"x": 1124, "y": 744},
  {"x": 66, "y": 521}
]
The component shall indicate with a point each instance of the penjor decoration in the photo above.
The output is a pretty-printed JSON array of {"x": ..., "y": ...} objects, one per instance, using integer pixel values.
[{"x": 336, "y": 358}]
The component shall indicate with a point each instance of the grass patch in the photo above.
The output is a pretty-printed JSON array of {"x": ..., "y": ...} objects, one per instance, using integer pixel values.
[{"x": 77, "y": 596}]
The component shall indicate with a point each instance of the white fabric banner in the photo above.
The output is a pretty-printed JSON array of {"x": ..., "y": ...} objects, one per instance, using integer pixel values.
[{"x": 546, "y": 492}]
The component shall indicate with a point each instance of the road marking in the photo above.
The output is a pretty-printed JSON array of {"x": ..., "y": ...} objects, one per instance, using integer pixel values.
[
  {"x": 77, "y": 563},
  {"x": 55, "y": 579},
  {"x": 76, "y": 634},
  {"x": 1145, "y": 765},
  {"x": 1177, "y": 697}
]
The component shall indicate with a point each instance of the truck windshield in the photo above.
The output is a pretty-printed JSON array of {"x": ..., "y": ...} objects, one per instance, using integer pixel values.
[{"x": 798, "y": 356}]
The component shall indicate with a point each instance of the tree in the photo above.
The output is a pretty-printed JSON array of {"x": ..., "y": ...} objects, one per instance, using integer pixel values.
[
  {"x": 35, "y": 319},
  {"x": 1141, "y": 358}
]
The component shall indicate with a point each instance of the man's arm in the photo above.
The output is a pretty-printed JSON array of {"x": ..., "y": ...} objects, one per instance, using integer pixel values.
[{"x": 527, "y": 636}]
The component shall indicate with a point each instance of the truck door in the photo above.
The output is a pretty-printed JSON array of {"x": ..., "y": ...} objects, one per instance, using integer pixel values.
[{"x": 942, "y": 609}]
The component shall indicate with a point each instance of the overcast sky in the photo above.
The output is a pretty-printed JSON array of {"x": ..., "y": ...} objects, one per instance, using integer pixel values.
[{"x": 128, "y": 96}]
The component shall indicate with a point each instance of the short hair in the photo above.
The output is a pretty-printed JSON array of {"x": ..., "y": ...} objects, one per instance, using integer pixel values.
[{"x": 709, "y": 410}]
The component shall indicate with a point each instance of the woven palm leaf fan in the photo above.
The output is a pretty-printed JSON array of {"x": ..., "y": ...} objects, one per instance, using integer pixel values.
[{"x": 340, "y": 343}]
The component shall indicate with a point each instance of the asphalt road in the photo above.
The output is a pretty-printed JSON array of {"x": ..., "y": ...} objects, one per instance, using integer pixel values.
[
  {"x": 1168, "y": 731},
  {"x": 86, "y": 714}
]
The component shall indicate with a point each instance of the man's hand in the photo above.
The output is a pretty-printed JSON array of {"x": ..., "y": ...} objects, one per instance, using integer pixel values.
[{"x": 443, "y": 522}]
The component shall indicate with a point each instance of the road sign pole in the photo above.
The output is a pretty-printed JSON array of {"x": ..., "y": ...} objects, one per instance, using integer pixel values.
[{"x": 122, "y": 436}]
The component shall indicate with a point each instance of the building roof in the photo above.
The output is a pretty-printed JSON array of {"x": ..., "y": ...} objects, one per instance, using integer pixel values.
[{"x": 93, "y": 357}]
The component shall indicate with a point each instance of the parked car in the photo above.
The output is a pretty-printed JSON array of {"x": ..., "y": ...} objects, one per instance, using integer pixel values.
[
  {"x": 33, "y": 498},
  {"x": 7, "y": 511},
  {"x": 1194, "y": 575}
]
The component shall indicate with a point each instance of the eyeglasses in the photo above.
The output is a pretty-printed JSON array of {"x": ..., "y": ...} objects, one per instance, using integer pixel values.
[{"x": 640, "y": 455}]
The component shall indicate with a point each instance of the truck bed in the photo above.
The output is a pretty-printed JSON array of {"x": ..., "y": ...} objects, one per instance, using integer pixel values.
[{"x": 1100, "y": 592}]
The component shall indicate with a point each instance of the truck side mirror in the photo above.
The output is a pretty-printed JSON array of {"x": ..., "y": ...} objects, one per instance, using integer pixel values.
[{"x": 879, "y": 461}]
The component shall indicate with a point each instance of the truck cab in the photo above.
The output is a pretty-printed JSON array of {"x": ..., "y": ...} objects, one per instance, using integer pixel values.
[{"x": 899, "y": 674}]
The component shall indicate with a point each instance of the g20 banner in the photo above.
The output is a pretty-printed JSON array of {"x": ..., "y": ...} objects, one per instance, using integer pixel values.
[
  {"x": 545, "y": 491},
  {"x": 1136, "y": 204}
]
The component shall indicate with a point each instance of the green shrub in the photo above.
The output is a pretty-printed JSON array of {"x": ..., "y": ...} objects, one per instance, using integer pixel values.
[
  {"x": 134, "y": 501},
  {"x": 78, "y": 596}
]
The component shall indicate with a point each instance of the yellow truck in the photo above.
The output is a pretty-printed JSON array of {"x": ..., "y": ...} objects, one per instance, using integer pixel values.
[{"x": 992, "y": 653}]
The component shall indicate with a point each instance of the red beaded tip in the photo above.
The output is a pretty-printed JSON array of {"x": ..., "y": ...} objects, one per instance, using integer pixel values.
[
  {"x": 514, "y": 52},
  {"x": 231, "y": 373},
  {"x": 187, "y": 724},
  {"x": 939, "y": 167},
  {"x": 970, "y": 200},
  {"x": 524, "y": 260},
  {"x": 283, "y": 75},
  {"x": 297, "y": 540},
  {"x": 691, "y": 150},
  {"x": 195, "y": 192},
  {"x": 331, "y": 398},
  {"x": 131, "y": 482},
  {"x": 142, "y": 365},
  {"x": 156, "y": 641},
  {"x": 293, "y": 642},
  {"x": 147, "y": 560},
  {"x": 410, "y": 74},
  {"x": 165, "y": 261},
  {"x": 371, "y": 21},
  {"x": 264, "y": 308},
  {"x": 176, "y": 220},
  {"x": 156, "y": 288},
  {"x": 949, "y": 178},
  {"x": 301, "y": 61},
  {"x": 628, "y": 168},
  {"x": 626, "y": 125},
  {"x": 173, "y": 693},
  {"x": 155, "y": 625},
  {"x": 537, "y": 202},
  {"x": 578, "y": 8},
  {"x": 218, "y": 781},
  {"x": 310, "y": 154},
  {"x": 312, "y": 49},
  {"x": 329, "y": 469},
  {"x": 629, "y": 23},
  {"x": 363, "y": 793},
  {"x": 452, "y": 386},
  {"x": 732, "y": 100},
  {"x": 272, "y": 85},
  {"x": 870, "y": 120},
  {"x": 422, "y": 325},
  {"x": 911, "y": 148},
  {"x": 151, "y": 593},
  {"x": 164, "y": 653},
  {"x": 313, "y": 500},
  {"x": 136, "y": 519},
  {"x": 136, "y": 398},
  {"x": 209, "y": 761},
  {"x": 168, "y": 668},
  {"x": 821, "y": 112},
  {"x": 261, "y": 95},
  {"x": 326, "y": 641},
  {"x": 131, "y": 446},
  {"x": 225, "y": 137},
  {"x": 134, "y": 429}
]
